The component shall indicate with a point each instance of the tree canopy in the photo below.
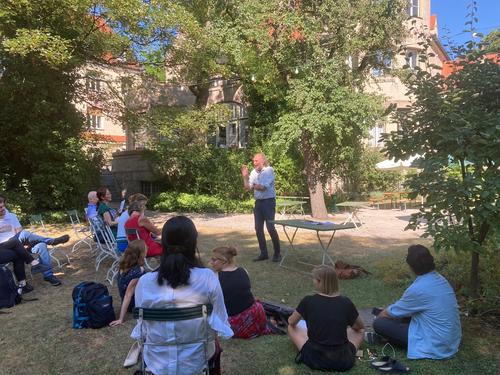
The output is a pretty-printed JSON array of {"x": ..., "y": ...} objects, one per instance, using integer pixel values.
[{"x": 453, "y": 127}]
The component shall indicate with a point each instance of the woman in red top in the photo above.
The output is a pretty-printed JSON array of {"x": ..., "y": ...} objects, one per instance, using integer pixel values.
[{"x": 144, "y": 227}]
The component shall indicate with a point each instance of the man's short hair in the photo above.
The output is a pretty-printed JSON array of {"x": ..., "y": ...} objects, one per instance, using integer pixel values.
[
  {"x": 420, "y": 259},
  {"x": 92, "y": 195},
  {"x": 3, "y": 198}
]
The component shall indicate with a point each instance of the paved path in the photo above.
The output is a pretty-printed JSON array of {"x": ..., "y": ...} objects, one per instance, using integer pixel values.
[{"x": 377, "y": 223}]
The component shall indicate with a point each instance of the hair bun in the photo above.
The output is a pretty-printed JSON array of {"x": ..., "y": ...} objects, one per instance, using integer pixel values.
[{"x": 232, "y": 251}]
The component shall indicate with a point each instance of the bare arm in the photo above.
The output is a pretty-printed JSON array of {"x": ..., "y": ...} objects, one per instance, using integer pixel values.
[
  {"x": 126, "y": 302},
  {"x": 246, "y": 176},
  {"x": 358, "y": 325},
  {"x": 146, "y": 223},
  {"x": 107, "y": 218},
  {"x": 294, "y": 318},
  {"x": 384, "y": 314}
]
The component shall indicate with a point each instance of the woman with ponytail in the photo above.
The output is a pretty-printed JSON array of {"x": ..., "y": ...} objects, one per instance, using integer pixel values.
[
  {"x": 181, "y": 281},
  {"x": 246, "y": 314}
]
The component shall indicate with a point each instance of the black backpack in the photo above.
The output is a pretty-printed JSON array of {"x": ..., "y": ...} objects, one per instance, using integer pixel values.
[
  {"x": 10, "y": 293},
  {"x": 92, "y": 306}
]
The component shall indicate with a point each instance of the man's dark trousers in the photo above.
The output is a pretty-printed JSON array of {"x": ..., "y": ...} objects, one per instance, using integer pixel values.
[{"x": 264, "y": 211}]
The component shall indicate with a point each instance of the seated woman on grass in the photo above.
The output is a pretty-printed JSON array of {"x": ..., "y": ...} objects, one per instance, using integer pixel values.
[
  {"x": 246, "y": 315},
  {"x": 334, "y": 329},
  {"x": 131, "y": 269}
]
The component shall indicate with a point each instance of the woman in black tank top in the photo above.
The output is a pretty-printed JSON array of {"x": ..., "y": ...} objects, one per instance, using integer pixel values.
[{"x": 246, "y": 315}]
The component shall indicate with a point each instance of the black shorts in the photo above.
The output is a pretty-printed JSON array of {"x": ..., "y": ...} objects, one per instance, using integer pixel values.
[{"x": 319, "y": 357}]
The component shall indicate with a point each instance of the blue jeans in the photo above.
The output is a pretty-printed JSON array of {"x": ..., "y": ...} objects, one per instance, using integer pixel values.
[
  {"x": 38, "y": 246},
  {"x": 394, "y": 330},
  {"x": 264, "y": 211}
]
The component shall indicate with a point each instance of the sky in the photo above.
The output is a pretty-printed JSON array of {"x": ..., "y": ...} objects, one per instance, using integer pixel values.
[{"x": 451, "y": 17}]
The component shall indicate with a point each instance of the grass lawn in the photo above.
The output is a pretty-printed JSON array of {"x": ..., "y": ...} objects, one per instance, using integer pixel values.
[{"x": 37, "y": 338}]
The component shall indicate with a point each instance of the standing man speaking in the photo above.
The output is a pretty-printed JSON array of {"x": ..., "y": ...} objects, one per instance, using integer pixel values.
[{"x": 261, "y": 181}]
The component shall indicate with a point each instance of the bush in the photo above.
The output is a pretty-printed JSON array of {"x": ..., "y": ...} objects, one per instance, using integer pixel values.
[
  {"x": 456, "y": 268},
  {"x": 184, "y": 202}
]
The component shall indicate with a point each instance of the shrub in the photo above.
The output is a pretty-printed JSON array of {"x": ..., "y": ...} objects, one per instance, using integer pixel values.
[
  {"x": 184, "y": 202},
  {"x": 456, "y": 268},
  {"x": 393, "y": 271}
]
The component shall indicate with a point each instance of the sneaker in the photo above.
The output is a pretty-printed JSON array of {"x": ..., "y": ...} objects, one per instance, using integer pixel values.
[
  {"x": 54, "y": 281},
  {"x": 372, "y": 338},
  {"x": 60, "y": 240},
  {"x": 261, "y": 257},
  {"x": 27, "y": 288},
  {"x": 277, "y": 258},
  {"x": 39, "y": 268}
]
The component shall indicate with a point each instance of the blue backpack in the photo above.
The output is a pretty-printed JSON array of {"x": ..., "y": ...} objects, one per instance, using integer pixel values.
[
  {"x": 10, "y": 293},
  {"x": 92, "y": 306}
]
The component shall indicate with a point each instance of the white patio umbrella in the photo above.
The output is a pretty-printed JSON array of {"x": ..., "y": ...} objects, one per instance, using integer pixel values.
[{"x": 400, "y": 165}]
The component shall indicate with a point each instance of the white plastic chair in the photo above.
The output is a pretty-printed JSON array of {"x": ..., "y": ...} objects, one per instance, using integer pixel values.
[{"x": 37, "y": 221}]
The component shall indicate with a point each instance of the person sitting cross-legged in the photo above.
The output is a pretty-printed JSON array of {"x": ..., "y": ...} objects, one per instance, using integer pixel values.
[
  {"x": 334, "y": 330},
  {"x": 246, "y": 315},
  {"x": 425, "y": 319}
]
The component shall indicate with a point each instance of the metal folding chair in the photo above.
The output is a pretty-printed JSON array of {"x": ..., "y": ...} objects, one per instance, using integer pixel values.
[
  {"x": 143, "y": 315},
  {"x": 37, "y": 221},
  {"x": 134, "y": 233},
  {"x": 106, "y": 243},
  {"x": 82, "y": 232}
]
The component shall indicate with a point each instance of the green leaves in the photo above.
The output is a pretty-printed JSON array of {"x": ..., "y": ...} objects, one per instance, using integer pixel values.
[{"x": 51, "y": 49}]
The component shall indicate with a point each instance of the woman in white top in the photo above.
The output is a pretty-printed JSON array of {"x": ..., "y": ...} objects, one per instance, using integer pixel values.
[{"x": 180, "y": 281}]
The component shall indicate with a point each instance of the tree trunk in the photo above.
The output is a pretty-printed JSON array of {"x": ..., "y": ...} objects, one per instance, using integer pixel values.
[
  {"x": 474, "y": 275},
  {"x": 314, "y": 185}
]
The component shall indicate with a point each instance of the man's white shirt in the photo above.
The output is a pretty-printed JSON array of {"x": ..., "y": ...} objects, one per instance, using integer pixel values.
[{"x": 8, "y": 225}]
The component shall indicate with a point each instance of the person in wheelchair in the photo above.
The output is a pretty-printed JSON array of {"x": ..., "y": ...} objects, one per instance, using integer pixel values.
[{"x": 181, "y": 281}]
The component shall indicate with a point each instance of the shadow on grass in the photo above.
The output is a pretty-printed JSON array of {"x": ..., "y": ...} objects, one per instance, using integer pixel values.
[{"x": 37, "y": 338}]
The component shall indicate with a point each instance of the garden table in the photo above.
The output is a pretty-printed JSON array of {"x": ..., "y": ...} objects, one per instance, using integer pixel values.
[
  {"x": 352, "y": 211},
  {"x": 314, "y": 226},
  {"x": 290, "y": 205}
]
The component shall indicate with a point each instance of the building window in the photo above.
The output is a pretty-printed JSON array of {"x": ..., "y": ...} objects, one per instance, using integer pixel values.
[
  {"x": 375, "y": 134},
  {"x": 383, "y": 62},
  {"x": 413, "y": 10},
  {"x": 412, "y": 59},
  {"x": 95, "y": 121},
  {"x": 233, "y": 133},
  {"x": 93, "y": 84}
]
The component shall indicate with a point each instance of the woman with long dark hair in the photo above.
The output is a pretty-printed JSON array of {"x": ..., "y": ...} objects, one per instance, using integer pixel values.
[{"x": 180, "y": 281}]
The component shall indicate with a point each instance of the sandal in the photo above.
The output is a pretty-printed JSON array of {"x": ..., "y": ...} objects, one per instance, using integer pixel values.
[
  {"x": 377, "y": 363},
  {"x": 394, "y": 367}
]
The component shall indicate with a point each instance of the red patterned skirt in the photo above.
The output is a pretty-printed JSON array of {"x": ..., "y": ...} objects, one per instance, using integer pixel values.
[{"x": 250, "y": 323}]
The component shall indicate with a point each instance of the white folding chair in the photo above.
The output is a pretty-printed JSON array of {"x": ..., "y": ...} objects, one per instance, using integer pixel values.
[
  {"x": 106, "y": 243},
  {"x": 180, "y": 315},
  {"x": 82, "y": 232},
  {"x": 36, "y": 221}
]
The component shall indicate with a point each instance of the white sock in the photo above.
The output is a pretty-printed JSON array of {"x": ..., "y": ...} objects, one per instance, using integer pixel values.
[
  {"x": 22, "y": 283},
  {"x": 36, "y": 262}
]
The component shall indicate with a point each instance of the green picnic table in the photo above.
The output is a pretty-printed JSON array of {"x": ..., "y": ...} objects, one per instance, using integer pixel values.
[{"x": 317, "y": 226}]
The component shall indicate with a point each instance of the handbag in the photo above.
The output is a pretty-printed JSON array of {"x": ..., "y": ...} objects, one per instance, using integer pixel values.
[{"x": 133, "y": 355}]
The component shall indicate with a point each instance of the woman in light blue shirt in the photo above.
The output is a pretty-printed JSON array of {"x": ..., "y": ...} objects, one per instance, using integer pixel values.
[{"x": 425, "y": 319}]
